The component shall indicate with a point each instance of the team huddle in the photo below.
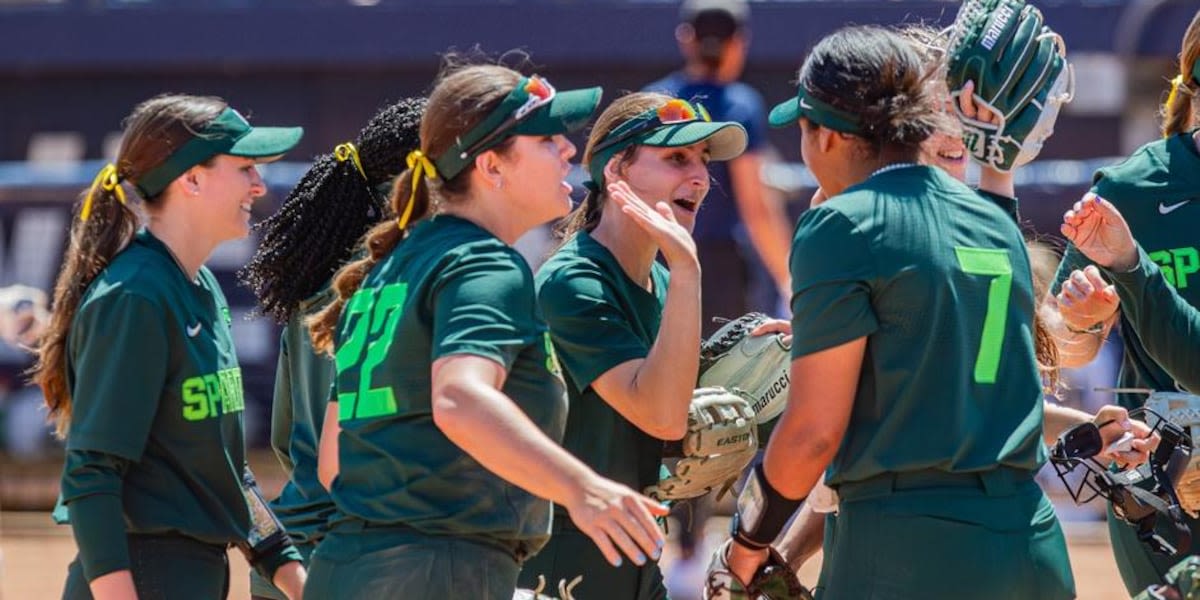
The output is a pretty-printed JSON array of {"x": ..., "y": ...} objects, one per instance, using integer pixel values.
[{"x": 455, "y": 425}]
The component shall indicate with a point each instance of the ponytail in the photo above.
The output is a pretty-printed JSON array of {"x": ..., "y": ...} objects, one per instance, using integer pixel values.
[
  {"x": 408, "y": 198},
  {"x": 1046, "y": 353},
  {"x": 1177, "y": 110},
  {"x": 106, "y": 224}
]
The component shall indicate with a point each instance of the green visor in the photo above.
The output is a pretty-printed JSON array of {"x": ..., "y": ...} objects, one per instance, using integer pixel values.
[
  {"x": 228, "y": 133},
  {"x": 1196, "y": 72},
  {"x": 677, "y": 123},
  {"x": 822, "y": 113},
  {"x": 533, "y": 107}
]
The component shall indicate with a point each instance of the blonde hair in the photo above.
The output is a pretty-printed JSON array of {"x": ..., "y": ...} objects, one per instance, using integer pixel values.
[{"x": 1179, "y": 111}]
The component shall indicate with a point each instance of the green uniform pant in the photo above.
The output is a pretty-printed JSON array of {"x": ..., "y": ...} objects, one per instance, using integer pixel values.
[
  {"x": 571, "y": 553},
  {"x": 261, "y": 588},
  {"x": 921, "y": 535},
  {"x": 165, "y": 567},
  {"x": 1139, "y": 566},
  {"x": 352, "y": 562}
]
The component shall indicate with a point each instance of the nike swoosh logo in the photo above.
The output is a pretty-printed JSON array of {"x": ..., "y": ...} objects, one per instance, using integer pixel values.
[
  {"x": 805, "y": 105},
  {"x": 1164, "y": 209},
  {"x": 193, "y": 330}
]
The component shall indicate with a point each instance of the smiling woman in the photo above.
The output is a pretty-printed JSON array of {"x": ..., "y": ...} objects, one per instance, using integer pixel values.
[
  {"x": 625, "y": 330},
  {"x": 138, "y": 365},
  {"x": 441, "y": 452}
]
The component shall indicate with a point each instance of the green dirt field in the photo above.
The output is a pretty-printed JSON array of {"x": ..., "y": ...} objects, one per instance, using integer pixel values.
[{"x": 36, "y": 553}]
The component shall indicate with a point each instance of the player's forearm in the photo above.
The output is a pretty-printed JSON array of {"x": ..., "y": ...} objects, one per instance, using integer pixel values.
[
  {"x": 117, "y": 585},
  {"x": 99, "y": 527},
  {"x": 997, "y": 182},
  {"x": 290, "y": 578},
  {"x": 493, "y": 430},
  {"x": 1059, "y": 419},
  {"x": 813, "y": 424},
  {"x": 1167, "y": 326},
  {"x": 662, "y": 387},
  {"x": 327, "y": 447},
  {"x": 1075, "y": 349},
  {"x": 803, "y": 538}
]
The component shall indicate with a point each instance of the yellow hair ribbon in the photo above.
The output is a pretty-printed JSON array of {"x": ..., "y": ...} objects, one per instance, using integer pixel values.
[
  {"x": 1175, "y": 85},
  {"x": 349, "y": 151},
  {"x": 422, "y": 168},
  {"x": 107, "y": 179}
]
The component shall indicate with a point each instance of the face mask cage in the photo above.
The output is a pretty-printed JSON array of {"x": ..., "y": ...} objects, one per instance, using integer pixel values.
[{"x": 1138, "y": 495}]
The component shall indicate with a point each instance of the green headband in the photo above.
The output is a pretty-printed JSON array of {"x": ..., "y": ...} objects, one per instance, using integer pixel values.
[
  {"x": 726, "y": 139},
  {"x": 228, "y": 133},
  {"x": 1196, "y": 72},
  {"x": 814, "y": 109},
  {"x": 533, "y": 107}
]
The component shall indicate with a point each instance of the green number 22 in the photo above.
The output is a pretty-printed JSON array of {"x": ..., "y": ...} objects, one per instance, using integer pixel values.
[
  {"x": 984, "y": 261},
  {"x": 371, "y": 318}
]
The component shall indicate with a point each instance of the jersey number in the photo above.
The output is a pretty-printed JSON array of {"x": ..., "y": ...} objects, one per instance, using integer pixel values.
[
  {"x": 371, "y": 318},
  {"x": 994, "y": 263}
]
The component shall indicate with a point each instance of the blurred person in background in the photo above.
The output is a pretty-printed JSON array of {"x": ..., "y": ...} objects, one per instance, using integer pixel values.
[{"x": 743, "y": 233}]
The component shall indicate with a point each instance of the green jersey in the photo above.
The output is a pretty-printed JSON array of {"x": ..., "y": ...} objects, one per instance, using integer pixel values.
[
  {"x": 451, "y": 288},
  {"x": 937, "y": 278},
  {"x": 1157, "y": 190},
  {"x": 598, "y": 319},
  {"x": 157, "y": 400},
  {"x": 303, "y": 380}
]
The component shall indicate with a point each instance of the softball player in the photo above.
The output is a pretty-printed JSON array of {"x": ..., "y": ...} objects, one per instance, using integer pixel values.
[
  {"x": 1154, "y": 189},
  {"x": 945, "y": 150},
  {"x": 623, "y": 328},
  {"x": 1154, "y": 310},
  {"x": 303, "y": 244},
  {"x": 138, "y": 365},
  {"x": 931, "y": 437},
  {"x": 446, "y": 460}
]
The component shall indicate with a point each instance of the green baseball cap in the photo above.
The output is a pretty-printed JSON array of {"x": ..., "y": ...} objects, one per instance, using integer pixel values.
[
  {"x": 533, "y": 107},
  {"x": 229, "y": 133},
  {"x": 812, "y": 108},
  {"x": 676, "y": 123}
]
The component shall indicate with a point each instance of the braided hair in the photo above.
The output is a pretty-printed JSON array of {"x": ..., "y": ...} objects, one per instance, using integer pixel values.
[{"x": 321, "y": 221}]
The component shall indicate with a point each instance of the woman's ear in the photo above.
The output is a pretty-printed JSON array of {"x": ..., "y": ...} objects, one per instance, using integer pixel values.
[
  {"x": 613, "y": 170},
  {"x": 190, "y": 181},
  {"x": 489, "y": 166}
]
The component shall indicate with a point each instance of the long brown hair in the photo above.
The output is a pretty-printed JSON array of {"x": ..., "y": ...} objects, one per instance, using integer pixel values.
[
  {"x": 155, "y": 129},
  {"x": 462, "y": 98},
  {"x": 586, "y": 216},
  {"x": 1179, "y": 111}
]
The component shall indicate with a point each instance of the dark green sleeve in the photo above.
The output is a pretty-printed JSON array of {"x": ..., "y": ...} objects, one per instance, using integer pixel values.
[
  {"x": 832, "y": 270},
  {"x": 483, "y": 305},
  {"x": 91, "y": 489},
  {"x": 1010, "y": 205},
  {"x": 281, "y": 409},
  {"x": 1167, "y": 325},
  {"x": 119, "y": 353},
  {"x": 591, "y": 333}
]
